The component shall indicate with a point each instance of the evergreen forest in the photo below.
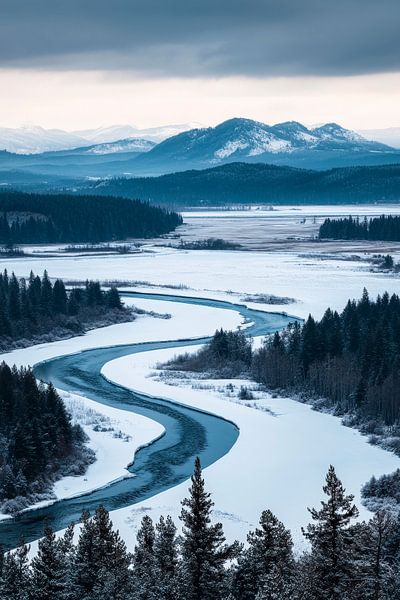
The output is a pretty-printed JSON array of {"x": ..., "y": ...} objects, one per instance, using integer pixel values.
[
  {"x": 64, "y": 218},
  {"x": 36, "y": 309},
  {"x": 38, "y": 443},
  {"x": 385, "y": 228}
]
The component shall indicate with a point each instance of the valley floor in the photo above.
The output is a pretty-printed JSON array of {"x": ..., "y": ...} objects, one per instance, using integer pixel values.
[{"x": 285, "y": 448}]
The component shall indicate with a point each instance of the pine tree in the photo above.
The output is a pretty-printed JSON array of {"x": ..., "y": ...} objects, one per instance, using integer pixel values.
[
  {"x": 166, "y": 559},
  {"x": 144, "y": 564},
  {"x": 15, "y": 577},
  {"x": 101, "y": 555},
  {"x": 59, "y": 297},
  {"x": 14, "y": 307},
  {"x": 84, "y": 569},
  {"x": 309, "y": 343},
  {"x": 46, "y": 295},
  {"x": 67, "y": 551},
  {"x": 204, "y": 552},
  {"x": 48, "y": 580},
  {"x": 267, "y": 560},
  {"x": 373, "y": 572},
  {"x": 113, "y": 299},
  {"x": 331, "y": 541}
]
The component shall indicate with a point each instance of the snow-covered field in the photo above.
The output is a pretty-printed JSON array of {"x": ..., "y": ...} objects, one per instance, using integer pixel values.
[
  {"x": 316, "y": 282},
  {"x": 263, "y": 227},
  {"x": 279, "y": 461},
  {"x": 114, "y": 435},
  {"x": 289, "y": 211}
]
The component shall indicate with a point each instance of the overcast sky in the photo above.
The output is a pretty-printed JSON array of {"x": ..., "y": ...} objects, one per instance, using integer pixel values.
[{"x": 77, "y": 64}]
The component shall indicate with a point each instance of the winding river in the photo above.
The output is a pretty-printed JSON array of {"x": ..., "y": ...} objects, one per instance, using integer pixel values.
[{"x": 168, "y": 460}]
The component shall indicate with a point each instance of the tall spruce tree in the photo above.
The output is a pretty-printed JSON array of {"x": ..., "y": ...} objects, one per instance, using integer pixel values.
[
  {"x": 331, "y": 541},
  {"x": 267, "y": 564},
  {"x": 166, "y": 559},
  {"x": 84, "y": 568},
  {"x": 373, "y": 574},
  {"x": 203, "y": 548},
  {"x": 15, "y": 580},
  {"x": 144, "y": 566},
  {"x": 101, "y": 556},
  {"x": 48, "y": 577}
]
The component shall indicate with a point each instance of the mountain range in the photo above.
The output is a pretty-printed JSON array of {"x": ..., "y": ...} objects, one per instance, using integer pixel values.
[
  {"x": 235, "y": 140},
  {"x": 289, "y": 143}
]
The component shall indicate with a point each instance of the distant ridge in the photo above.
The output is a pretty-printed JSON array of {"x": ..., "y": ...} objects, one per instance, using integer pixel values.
[{"x": 259, "y": 183}]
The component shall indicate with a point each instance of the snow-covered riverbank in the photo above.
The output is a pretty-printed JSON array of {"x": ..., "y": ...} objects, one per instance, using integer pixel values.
[{"x": 279, "y": 461}]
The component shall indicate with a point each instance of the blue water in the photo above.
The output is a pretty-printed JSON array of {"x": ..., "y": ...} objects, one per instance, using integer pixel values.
[{"x": 163, "y": 464}]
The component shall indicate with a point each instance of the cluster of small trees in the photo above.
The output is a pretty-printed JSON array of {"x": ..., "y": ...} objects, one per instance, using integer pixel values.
[
  {"x": 344, "y": 560},
  {"x": 209, "y": 244},
  {"x": 384, "y": 489},
  {"x": 385, "y": 227},
  {"x": 31, "y": 307},
  {"x": 36, "y": 436},
  {"x": 46, "y": 218},
  {"x": 228, "y": 354}
]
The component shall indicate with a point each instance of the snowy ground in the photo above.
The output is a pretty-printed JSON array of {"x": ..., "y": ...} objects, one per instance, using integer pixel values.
[
  {"x": 273, "y": 227},
  {"x": 114, "y": 435},
  {"x": 279, "y": 461},
  {"x": 315, "y": 281}
]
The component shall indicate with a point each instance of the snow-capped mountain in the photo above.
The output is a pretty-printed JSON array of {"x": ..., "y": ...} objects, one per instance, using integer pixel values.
[
  {"x": 31, "y": 139},
  {"x": 127, "y": 145},
  {"x": 247, "y": 140},
  {"x": 121, "y": 132}
]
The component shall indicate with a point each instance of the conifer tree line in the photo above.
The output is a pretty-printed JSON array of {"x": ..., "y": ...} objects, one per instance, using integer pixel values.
[
  {"x": 385, "y": 227},
  {"x": 37, "y": 439},
  {"x": 36, "y": 306},
  {"x": 351, "y": 359},
  {"x": 67, "y": 218},
  {"x": 343, "y": 560}
]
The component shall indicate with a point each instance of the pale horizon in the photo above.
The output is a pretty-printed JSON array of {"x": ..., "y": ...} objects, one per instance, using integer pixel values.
[{"x": 79, "y": 100}]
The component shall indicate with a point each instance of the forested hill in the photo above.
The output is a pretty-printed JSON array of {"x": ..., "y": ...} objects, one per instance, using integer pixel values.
[
  {"x": 385, "y": 227},
  {"x": 38, "y": 218},
  {"x": 243, "y": 183}
]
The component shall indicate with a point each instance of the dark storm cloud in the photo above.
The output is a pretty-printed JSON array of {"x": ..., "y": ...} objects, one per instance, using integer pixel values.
[{"x": 203, "y": 38}]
